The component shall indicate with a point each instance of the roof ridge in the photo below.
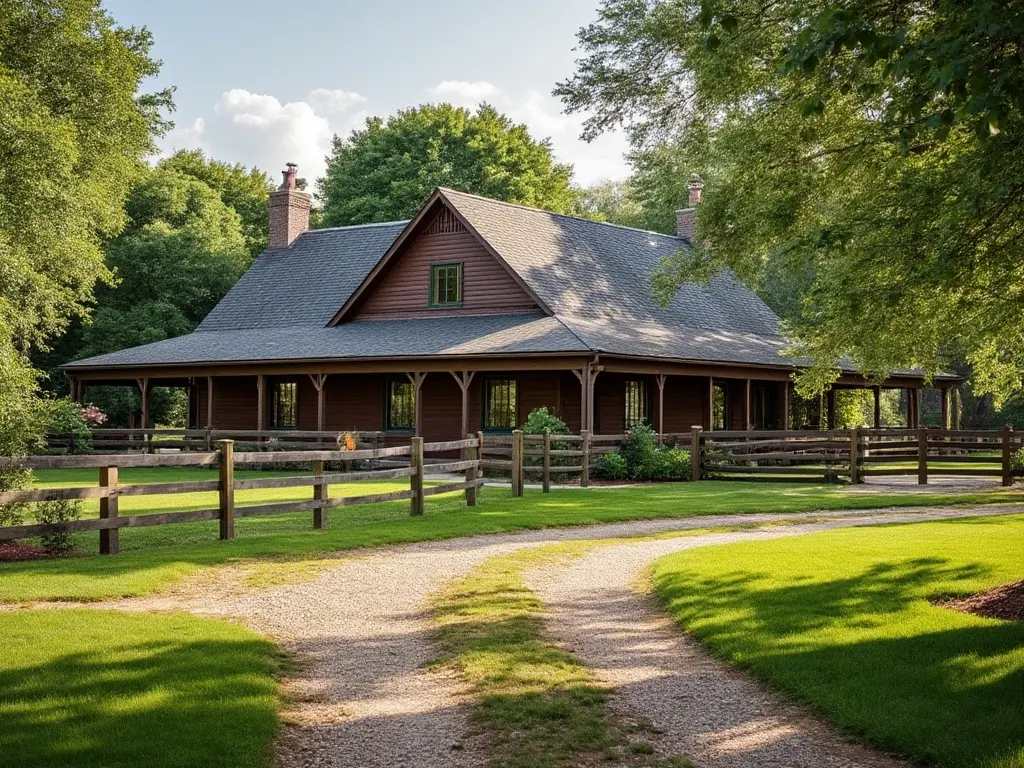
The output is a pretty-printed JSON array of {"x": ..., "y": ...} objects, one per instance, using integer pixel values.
[
  {"x": 562, "y": 215},
  {"x": 401, "y": 222}
]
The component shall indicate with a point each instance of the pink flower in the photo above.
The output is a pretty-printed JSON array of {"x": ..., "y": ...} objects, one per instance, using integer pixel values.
[{"x": 92, "y": 415}]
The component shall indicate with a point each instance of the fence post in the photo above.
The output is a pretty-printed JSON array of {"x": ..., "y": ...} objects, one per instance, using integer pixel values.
[
  {"x": 209, "y": 439},
  {"x": 547, "y": 460},
  {"x": 227, "y": 488},
  {"x": 320, "y": 490},
  {"x": 695, "y": 450},
  {"x": 585, "y": 460},
  {"x": 108, "y": 509},
  {"x": 472, "y": 454},
  {"x": 480, "y": 455},
  {"x": 71, "y": 443},
  {"x": 518, "y": 474},
  {"x": 1007, "y": 456},
  {"x": 854, "y": 457},
  {"x": 922, "y": 456},
  {"x": 416, "y": 478}
]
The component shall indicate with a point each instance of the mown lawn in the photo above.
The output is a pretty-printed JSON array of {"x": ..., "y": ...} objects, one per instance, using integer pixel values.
[
  {"x": 107, "y": 689},
  {"x": 155, "y": 557},
  {"x": 842, "y": 621}
]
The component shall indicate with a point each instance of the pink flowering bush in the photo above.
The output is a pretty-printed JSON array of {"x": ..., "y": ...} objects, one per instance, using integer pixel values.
[{"x": 92, "y": 415}]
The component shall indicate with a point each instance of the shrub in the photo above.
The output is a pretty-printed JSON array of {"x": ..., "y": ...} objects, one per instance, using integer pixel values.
[
  {"x": 59, "y": 511},
  {"x": 68, "y": 417},
  {"x": 612, "y": 466},
  {"x": 680, "y": 467},
  {"x": 1017, "y": 461},
  {"x": 13, "y": 479},
  {"x": 638, "y": 450},
  {"x": 541, "y": 419}
]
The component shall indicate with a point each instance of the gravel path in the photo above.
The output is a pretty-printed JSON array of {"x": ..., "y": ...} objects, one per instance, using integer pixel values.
[{"x": 362, "y": 633}]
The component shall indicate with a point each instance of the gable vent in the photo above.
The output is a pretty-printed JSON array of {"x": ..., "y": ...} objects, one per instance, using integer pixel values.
[{"x": 445, "y": 223}]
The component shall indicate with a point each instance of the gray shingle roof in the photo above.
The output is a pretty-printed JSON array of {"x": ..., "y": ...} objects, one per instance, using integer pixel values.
[
  {"x": 464, "y": 335},
  {"x": 593, "y": 276}
]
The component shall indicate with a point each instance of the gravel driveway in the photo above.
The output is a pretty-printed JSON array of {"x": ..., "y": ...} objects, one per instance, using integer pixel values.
[{"x": 362, "y": 633}]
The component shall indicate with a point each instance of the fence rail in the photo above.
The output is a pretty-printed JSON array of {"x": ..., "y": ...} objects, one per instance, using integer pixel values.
[{"x": 225, "y": 458}]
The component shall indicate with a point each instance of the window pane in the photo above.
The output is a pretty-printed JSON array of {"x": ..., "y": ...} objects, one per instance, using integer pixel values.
[
  {"x": 284, "y": 413},
  {"x": 720, "y": 415},
  {"x": 500, "y": 406},
  {"x": 401, "y": 405},
  {"x": 636, "y": 403},
  {"x": 445, "y": 284}
]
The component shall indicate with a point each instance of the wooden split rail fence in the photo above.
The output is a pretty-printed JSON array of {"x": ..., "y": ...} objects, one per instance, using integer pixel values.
[
  {"x": 225, "y": 458},
  {"x": 114, "y": 440}
]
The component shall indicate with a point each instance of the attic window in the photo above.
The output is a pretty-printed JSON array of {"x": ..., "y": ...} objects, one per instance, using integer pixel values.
[
  {"x": 446, "y": 285},
  {"x": 445, "y": 223}
]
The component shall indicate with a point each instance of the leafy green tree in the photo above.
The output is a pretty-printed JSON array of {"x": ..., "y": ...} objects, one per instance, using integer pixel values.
[
  {"x": 74, "y": 131},
  {"x": 384, "y": 171},
  {"x": 876, "y": 147},
  {"x": 611, "y": 201},
  {"x": 244, "y": 190}
]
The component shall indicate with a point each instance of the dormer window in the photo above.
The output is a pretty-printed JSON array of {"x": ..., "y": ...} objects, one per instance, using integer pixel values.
[{"x": 446, "y": 285}]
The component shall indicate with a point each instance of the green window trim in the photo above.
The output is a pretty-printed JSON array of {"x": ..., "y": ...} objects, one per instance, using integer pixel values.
[
  {"x": 500, "y": 404},
  {"x": 446, "y": 285},
  {"x": 284, "y": 405},
  {"x": 399, "y": 405}
]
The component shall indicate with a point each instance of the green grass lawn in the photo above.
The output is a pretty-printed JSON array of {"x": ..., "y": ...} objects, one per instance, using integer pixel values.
[
  {"x": 155, "y": 557},
  {"x": 842, "y": 621},
  {"x": 107, "y": 689}
]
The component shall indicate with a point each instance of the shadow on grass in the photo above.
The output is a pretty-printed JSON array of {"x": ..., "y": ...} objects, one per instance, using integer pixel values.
[
  {"x": 149, "y": 691},
  {"x": 868, "y": 651}
]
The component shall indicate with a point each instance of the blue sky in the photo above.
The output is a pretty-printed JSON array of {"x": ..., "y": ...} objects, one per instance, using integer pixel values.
[{"x": 267, "y": 82}]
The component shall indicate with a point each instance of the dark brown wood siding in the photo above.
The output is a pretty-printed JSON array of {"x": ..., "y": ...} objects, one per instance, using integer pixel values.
[
  {"x": 234, "y": 402},
  {"x": 403, "y": 289},
  {"x": 685, "y": 402}
]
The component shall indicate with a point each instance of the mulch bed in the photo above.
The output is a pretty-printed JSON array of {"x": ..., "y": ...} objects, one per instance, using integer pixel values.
[
  {"x": 15, "y": 552},
  {"x": 1003, "y": 602}
]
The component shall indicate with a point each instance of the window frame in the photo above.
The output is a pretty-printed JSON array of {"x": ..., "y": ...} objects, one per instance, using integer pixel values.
[
  {"x": 275, "y": 404},
  {"x": 389, "y": 382},
  {"x": 485, "y": 403},
  {"x": 433, "y": 303},
  {"x": 644, "y": 403},
  {"x": 722, "y": 386}
]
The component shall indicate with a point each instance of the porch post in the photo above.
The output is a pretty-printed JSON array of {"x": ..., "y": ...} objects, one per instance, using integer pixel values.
[
  {"x": 878, "y": 406},
  {"x": 209, "y": 402},
  {"x": 711, "y": 404},
  {"x": 417, "y": 383},
  {"x": 260, "y": 408},
  {"x": 945, "y": 407},
  {"x": 785, "y": 405},
  {"x": 595, "y": 371},
  {"x": 464, "y": 379},
  {"x": 319, "y": 380},
  {"x": 831, "y": 401},
  {"x": 915, "y": 399},
  {"x": 660, "y": 380},
  {"x": 144, "y": 390},
  {"x": 746, "y": 406}
]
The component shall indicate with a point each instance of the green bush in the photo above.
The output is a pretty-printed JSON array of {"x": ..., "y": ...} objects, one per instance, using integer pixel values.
[
  {"x": 65, "y": 417},
  {"x": 612, "y": 466},
  {"x": 60, "y": 511},
  {"x": 638, "y": 450},
  {"x": 13, "y": 478},
  {"x": 541, "y": 419}
]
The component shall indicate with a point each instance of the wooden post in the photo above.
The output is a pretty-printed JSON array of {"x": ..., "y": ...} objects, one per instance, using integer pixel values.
[
  {"x": 464, "y": 379},
  {"x": 695, "y": 450},
  {"x": 711, "y": 404},
  {"x": 547, "y": 460},
  {"x": 585, "y": 459},
  {"x": 922, "y": 456},
  {"x": 746, "y": 406},
  {"x": 472, "y": 454},
  {"x": 785, "y": 405},
  {"x": 320, "y": 493},
  {"x": 660, "y": 380},
  {"x": 261, "y": 410},
  {"x": 517, "y": 463},
  {"x": 417, "y": 383},
  {"x": 109, "y": 544},
  {"x": 227, "y": 488},
  {"x": 854, "y": 457},
  {"x": 878, "y": 406},
  {"x": 319, "y": 384},
  {"x": 209, "y": 404},
  {"x": 144, "y": 390},
  {"x": 480, "y": 455},
  {"x": 830, "y": 399},
  {"x": 1007, "y": 456},
  {"x": 583, "y": 375},
  {"x": 416, "y": 478},
  {"x": 945, "y": 407}
]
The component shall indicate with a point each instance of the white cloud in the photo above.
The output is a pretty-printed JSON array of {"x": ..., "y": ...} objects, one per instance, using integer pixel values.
[
  {"x": 333, "y": 101},
  {"x": 463, "y": 94}
]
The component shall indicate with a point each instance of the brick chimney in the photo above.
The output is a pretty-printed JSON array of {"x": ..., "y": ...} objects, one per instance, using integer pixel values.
[
  {"x": 289, "y": 210},
  {"x": 686, "y": 217}
]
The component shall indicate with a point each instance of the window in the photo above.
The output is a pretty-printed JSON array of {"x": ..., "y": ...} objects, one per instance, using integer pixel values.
[
  {"x": 446, "y": 285},
  {"x": 284, "y": 413},
  {"x": 636, "y": 403},
  {"x": 400, "y": 405},
  {"x": 720, "y": 409},
  {"x": 501, "y": 404}
]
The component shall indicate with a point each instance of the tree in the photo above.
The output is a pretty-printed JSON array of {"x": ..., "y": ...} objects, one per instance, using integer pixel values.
[
  {"x": 871, "y": 150},
  {"x": 244, "y": 190},
  {"x": 75, "y": 129},
  {"x": 182, "y": 251},
  {"x": 611, "y": 201},
  {"x": 386, "y": 170}
]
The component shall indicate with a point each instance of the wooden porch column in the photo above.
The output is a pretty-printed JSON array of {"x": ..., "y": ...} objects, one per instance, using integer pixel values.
[
  {"x": 319, "y": 380},
  {"x": 830, "y": 399},
  {"x": 417, "y": 383},
  {"x": 945, "y": 407},
  {"x": 746, "y": 406},
  {"x": 260, "y": 402},
  {"x": 587, "y": 378},
  {"x": 144, "y": 390},
  {"x": 878, "y": 406},
  {"x": 785, "y": 405},
  {"x": 209, "y": 402},
  {"x": 710, "y": 425},
  {"x": 464, "y": 379},
  {"x": 660, "y": 381},
  {"x": 914, "y": 405},
  {"x": 583, "y": 376}
]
